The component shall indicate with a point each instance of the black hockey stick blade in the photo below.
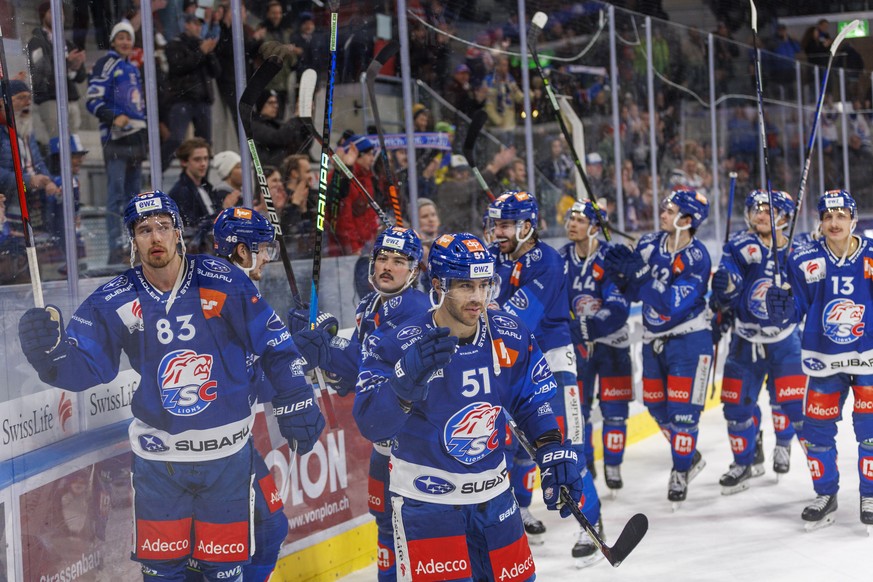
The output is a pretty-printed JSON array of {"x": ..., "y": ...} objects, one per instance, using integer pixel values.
[
  {"x": 384, "y": 55},
  {"x": 254, "y": 87},
  {"x": 632, "y": 534},
  {"x": 477, "y": 122}
]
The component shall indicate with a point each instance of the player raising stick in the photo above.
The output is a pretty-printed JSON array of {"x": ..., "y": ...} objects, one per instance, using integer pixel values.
[
  {"x": 669, "y": 271},
  {"x": 758, "y": 349},
  {"x": 830, "y": 285},
  {"x": 188, "y": 325}
]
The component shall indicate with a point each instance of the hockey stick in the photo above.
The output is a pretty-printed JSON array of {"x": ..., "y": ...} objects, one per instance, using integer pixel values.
[
  {"x": 810, "y": 145},
  {"x": 385, "y": 55},
  {"x": 255, "y": 86},
  {"x": 632, "y": 534},
  {"x": 774, "y": 248},
  {"x": 477, "y": 122},
  {"x": 727, "y": 235},
  {"x": 538, "y": 22},
  {"x": 9, "y": 121}
]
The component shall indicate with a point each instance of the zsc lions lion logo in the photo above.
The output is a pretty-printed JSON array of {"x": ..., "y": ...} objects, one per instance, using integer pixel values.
[{"x": 185, "y": 380}]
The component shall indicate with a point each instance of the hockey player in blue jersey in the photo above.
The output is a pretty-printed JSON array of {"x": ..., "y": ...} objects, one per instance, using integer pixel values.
[
  {"x": 829, "y": 283},
  {"x": 439, "y": 387},
  {"x": 758, "y": 349},
  {"x": 531, "y": 281},
  {"x": 247, "y": 240},
  {"x": 394, "y": 267},
  {"x": 669, "y": 273},
  {"x": 188, "y": 325},
  {"x": 600, "y": 335}
]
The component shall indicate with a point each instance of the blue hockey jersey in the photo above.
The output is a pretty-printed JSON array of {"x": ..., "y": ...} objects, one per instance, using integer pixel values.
[
  {"x": 371, "y": 314},
  {"x": 450, "y": 447},
  {"x": 115, "y": 88},
  {"x": 837, "y": 302},
  {"x": 534, "y": 288},
  {"x": 674, "y": 297},
  {"x": 195, "y": 397},
  {"x": 750, "y": 265},
  {"x": 592, "y": 294}
]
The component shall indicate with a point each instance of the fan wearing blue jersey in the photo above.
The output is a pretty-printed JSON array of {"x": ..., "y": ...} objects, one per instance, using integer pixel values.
[
  {"x": 531, "y": 281},
  {"x": 394, "y": 267},
  {"x": 829, "y": 283},
  {"x": 668, "y": 272},
  {"x": 758, "y": 349},
  {"x": 439, "y": 387},
  {"x": 188, "y": 325},
  {"x": 600, "y": 334}
]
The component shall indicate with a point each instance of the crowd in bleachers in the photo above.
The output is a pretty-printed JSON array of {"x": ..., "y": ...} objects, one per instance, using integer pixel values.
[{"x": 467, "y": 63}]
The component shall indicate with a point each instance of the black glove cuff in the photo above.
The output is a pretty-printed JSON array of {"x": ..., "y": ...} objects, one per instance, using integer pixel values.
[{"x": 550, "y": 436}]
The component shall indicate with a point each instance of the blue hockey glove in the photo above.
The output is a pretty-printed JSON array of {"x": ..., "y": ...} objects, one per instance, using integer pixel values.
[
  {"x": 780, "y": 305},
  {"x": 722, "y": 322},
  {"x": 42, "y": 336},
  {"x": 298, "y": 320},
  {"x": 412, "y": 373},
  {"x": 721, "y": 283},
  {"x": 614, "y": 260},
  {"x": 635, "y": 270},
  {"x": 314, "y": 346},
  {"x": 559, "y": 468},
  {"x": 300, "y": 420}
]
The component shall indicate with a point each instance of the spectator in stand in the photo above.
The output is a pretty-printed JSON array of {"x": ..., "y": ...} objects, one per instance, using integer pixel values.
[
  {"x": 54, "y": 204},
  {"x": 305, "y": 45},
  {"x": 428, "y": 220},
  {"x": 228, "y": 169},
  {"x": 274, "y": 30},
  {"x": 461, "y": 192},
  {"x": 598, "y": 179},
  {"x": 357, "y": 223},
  {"x": 462, "y": 95},
  {"x": 224, "y": 53},
  {"x": 726, "y": 50},
  {"x": 116, "y": 97},
  {"x": 276, "y": 140},
  {"x": 36, "y": 173},
  {"x": 192, "y": 66},
  {"x": 192, "y": 193},
  {"x": 817, "y": 43},
  {"x": 298, "y": 217},
  {"x": 42, "y": 73},
  {"x": 503, "y": 96},
  {"x": 558, "y": 176},
  {"x": 515, "y": 176},
  {"x": 780, "y": 66},
  {"x": 101, "y": 12}
]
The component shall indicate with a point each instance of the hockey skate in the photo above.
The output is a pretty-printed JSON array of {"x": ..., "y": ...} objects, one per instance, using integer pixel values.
[
  {"x": 758, "y": 463},
  {"x": 585, "y": 551},
  {"x": 781, "y": 460},
  {"x": 736, "y": 479},
  {"x": 867, "y": 514},
  {"x": 534, "y": 528},
  {"x": 697, "y": 465},
  {"x": 820, "y": 513},
  {"x": 612, "y": 474},
  {"x": 678, "y": 488}
]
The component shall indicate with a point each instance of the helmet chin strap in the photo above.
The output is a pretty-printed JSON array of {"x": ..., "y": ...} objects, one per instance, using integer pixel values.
[
  {"x": 248, "y": 270},
  {"x": 679, "y": 230},
  {"x": 435, "y": 304},
  {"x": 848, "y": 242},
  {"x": 521, "y": 240}
]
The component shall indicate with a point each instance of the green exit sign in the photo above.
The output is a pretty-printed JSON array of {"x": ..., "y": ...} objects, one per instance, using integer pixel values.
[{"x": 861, "y": 31}]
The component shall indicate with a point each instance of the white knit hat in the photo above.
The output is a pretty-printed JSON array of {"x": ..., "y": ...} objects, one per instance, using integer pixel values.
[
  {"x": 224, "y": 162},
  {"x": 123, "y": 26}
]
